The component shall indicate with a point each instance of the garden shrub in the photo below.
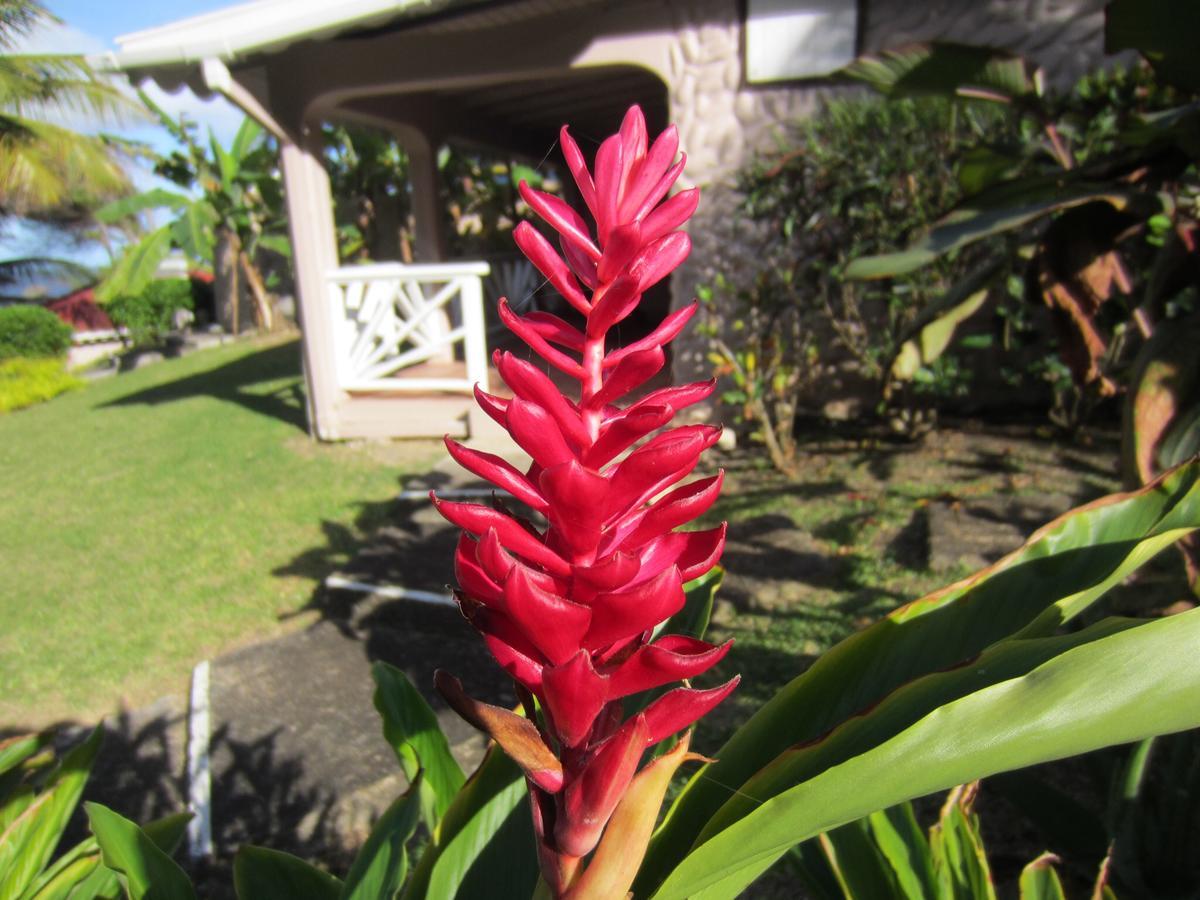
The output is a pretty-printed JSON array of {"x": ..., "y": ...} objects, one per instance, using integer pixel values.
[
  {"x": 150, "y": 315},
  {"x": 25, "y": 382},
  {"x": 33, "y": 332}
]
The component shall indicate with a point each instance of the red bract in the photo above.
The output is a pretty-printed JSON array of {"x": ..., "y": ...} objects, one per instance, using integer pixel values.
[{"x": 569, "y": 609}]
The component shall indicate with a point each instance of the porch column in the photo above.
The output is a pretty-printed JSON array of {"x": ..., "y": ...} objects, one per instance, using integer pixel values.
[
  {"x": 430, "y": 243},
  {"x": 314, "y": 251}
]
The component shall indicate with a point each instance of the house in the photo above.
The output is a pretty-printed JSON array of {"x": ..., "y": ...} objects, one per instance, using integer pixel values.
[{"x": 508, "y": 73}]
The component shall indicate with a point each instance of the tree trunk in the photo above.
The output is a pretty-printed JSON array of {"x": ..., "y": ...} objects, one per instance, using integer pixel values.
[
  {"x": 265, "y": 312},
  {"x": 232, "y": 314},
  {"x": 385, "y": 237}
]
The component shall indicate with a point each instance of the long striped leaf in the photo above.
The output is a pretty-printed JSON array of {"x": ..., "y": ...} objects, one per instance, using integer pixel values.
[
  {"x": 382, "y": 863},
  {"x": 79, "y": 874},
  {"x": 1059, "y": 572},
  {"x": 262, "y": 874},
  {"x": 412, "y": 728},
  {"x": 136, "y": 268},
  {"x": 157, "y": 198},
  {"x": 29, "y": 840},
  {"x": 148, "y": 872},
  {"x": 1036, "y": 700},
  {"x": 484, "y": 845}
]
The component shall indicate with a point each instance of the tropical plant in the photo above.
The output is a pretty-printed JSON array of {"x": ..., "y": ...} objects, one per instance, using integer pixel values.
[
  {"x": 236, "y": 217},
  {"x": 27, "y": 330},
  {"x": 368, "y": 174},
  {"x": 1124, "y": 830},
  {"x": 38, "y": 794},
  {"x": 826, "y": 196},
  {"x": 886, "y": 854},
  {"x": 46, "y": 169},
  {"x": 1099, "y": 206},
  {"x": 480, "y": 194}
]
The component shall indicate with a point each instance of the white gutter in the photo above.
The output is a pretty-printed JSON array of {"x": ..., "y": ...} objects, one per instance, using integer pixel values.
[{"x": 239, "y": 31}]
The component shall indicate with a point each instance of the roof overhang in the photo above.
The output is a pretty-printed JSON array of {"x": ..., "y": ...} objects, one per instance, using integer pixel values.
[{"x": 238, "y": 33}]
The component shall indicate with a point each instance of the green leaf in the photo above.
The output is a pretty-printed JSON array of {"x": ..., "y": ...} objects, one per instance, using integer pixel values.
[
  {"x": 156, "y": 198},
  {"x": 1059, "y": 572},
  {"x": 1163, "y": 31},
  {"x": 28, "y": 842},
  {"x": 1039, "y": 881},
  {"x": 906, "y": 849},
  {"x": 933, "y": 338},
  {"x": 192, "y": 232},
  {"x": 227, "y": 166},
  {"x": 412, "y": 729},
  {"x": 1004, "y": 208},
  {"x": 276, "y": 243},
  {"x": 147, "y": 871},
  {"x": 959, "y": 860},
  {"x": 981, "y": 167},
  {"x": 249, "y": 134},
  {"x": 484, "y": 845},
  {"x": 859, "y": 866},
  {"x": 15, "y": 750},
  {"x": 948, "y": 70},
  {"x": 1036, "y": 701},
  {"x": 78, "y": 874},
  {"x": 136, "y": 268},
  {"x": 1164, "y": 384},
  {"x": 527, "y": 174},
  {"x": 380, "y": 866},
  {"x": 262, "y": 874}
]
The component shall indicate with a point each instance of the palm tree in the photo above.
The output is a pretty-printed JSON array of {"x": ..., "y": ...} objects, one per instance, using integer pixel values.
[
  {"x": 48, "y": 171},
  {"x": 229, "y": 209}
]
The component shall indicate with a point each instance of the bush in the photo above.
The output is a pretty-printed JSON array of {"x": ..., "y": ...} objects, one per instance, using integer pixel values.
[
  {"x": 25, "y": 382},
  {"x": 150, "y": 315},
  {"x": 856, "y": 178},
  {"x": 32, "y": 332}
]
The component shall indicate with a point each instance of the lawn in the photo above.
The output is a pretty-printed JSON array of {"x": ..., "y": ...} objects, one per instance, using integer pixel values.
[{"x": 154, "y": 519}]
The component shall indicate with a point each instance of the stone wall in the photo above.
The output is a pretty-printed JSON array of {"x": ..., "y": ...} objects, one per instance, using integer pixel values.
[{"x": 724, "y": 122}]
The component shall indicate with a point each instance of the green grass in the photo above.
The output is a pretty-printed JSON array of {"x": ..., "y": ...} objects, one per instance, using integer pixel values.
[{"x": 153, "y": 519}]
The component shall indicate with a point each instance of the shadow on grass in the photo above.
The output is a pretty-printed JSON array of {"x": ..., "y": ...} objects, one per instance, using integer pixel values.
[{"x": 252, "y": 382}]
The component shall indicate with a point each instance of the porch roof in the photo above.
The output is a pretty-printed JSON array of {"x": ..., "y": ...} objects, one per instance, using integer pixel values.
[{"x": 236, "y": 33}]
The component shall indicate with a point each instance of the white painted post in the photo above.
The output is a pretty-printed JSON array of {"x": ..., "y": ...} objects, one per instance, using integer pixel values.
[
  {"x": 314, "y": 252},
  {"x": 475, "y": 343},
  {"x": 199, "y": 770}
]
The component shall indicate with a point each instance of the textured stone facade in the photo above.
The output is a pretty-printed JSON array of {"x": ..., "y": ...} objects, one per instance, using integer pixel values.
[{"x": 724, "y": 122}]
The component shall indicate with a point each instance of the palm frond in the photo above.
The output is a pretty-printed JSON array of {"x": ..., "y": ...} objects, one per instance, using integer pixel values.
[
  {"x": 46, "y": 167},
  {"x": 47, "y": 85},
  {"x": 20, "y": 17}
]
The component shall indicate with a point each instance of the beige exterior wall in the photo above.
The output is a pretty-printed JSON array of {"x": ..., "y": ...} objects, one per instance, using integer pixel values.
[{"x": 724, "y": 122}]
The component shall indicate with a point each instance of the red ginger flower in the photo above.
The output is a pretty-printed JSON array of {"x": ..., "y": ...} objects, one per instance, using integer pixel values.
[{"x": 569, "y": 611}]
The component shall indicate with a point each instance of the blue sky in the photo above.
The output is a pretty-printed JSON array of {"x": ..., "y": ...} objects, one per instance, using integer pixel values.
[{"x": 91, "y": 26}]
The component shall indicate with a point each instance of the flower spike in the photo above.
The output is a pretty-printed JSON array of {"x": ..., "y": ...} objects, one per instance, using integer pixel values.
[{"x": 570, "y": 609}]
